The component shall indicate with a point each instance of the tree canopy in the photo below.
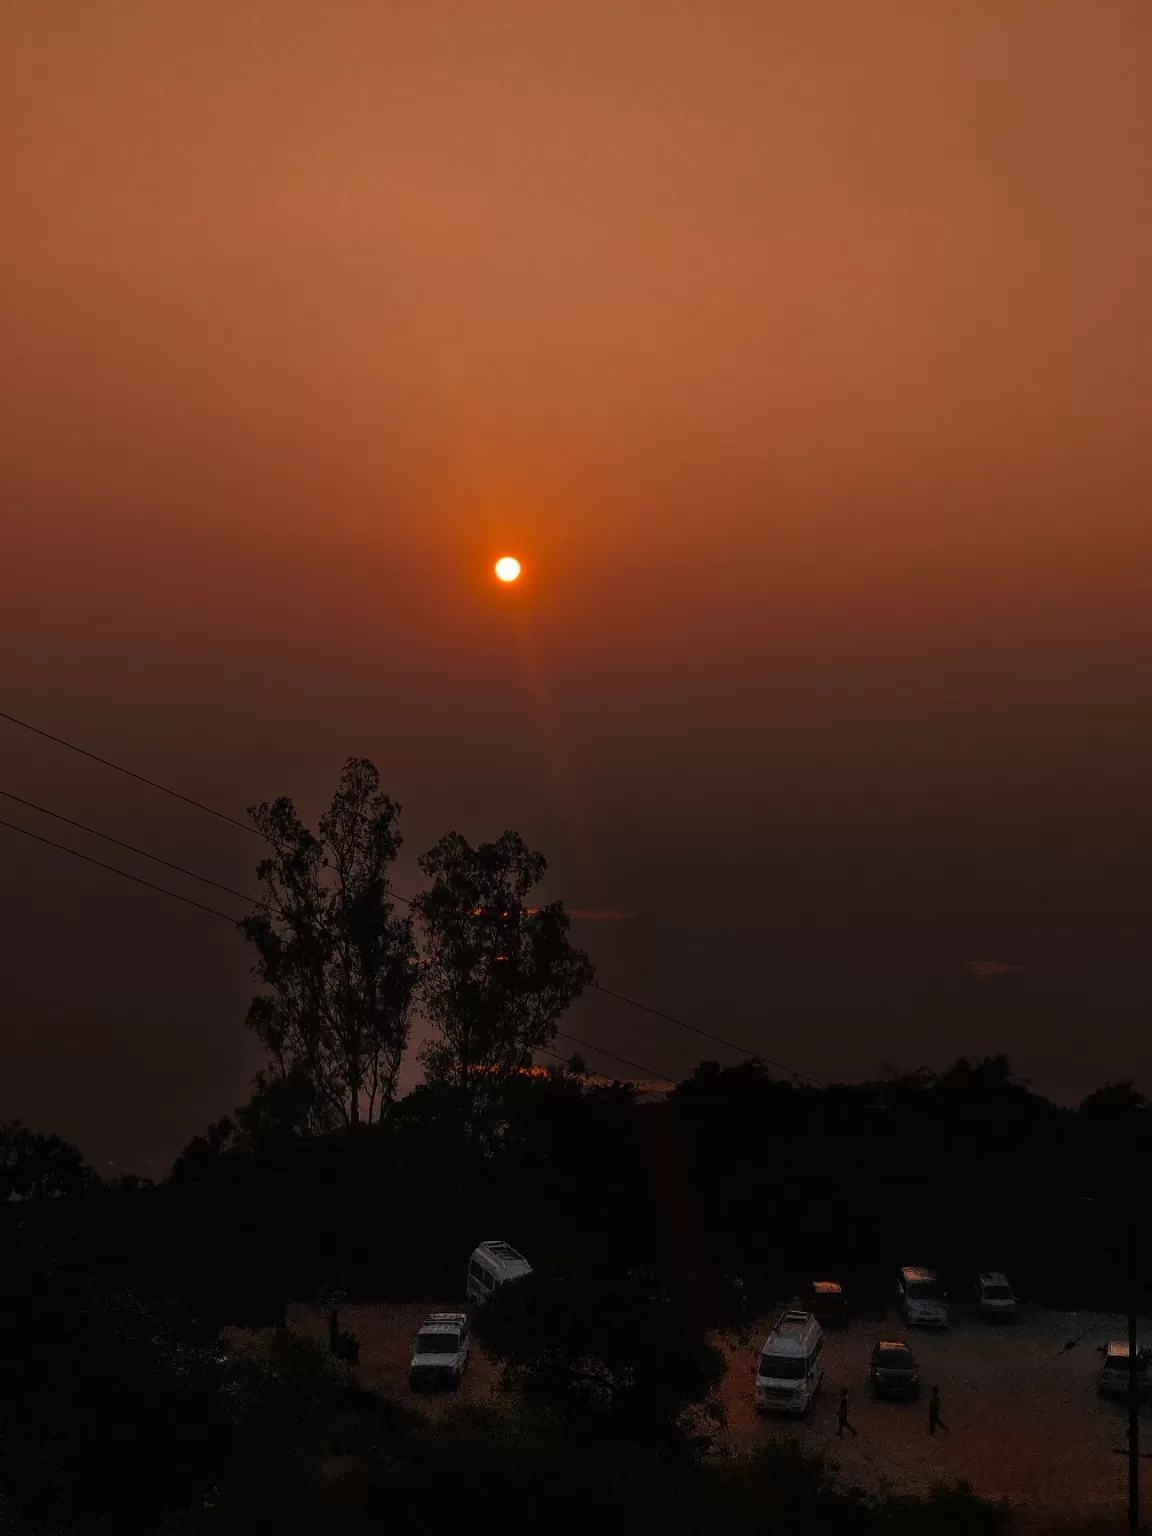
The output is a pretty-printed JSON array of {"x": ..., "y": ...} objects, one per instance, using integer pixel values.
[
  {"x": 498, "y": 975},
  {"x": 339, "y": 962},
  {"x": 35, "y": 1166},
  {"x": 613, "y": 1354}
]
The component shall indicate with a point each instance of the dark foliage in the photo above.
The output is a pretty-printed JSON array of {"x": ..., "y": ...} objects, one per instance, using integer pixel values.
[
  {"x": 613, "y": 1356},
  {"x": 316, "y": 1456},
  {"x": 498, "y": 975},
  {"x": 338, "y": 962},
  {"x": 109, "y": 1408},
  {"x": 575, "y": 1174},
  {"x": 651, "y": 1225},
  {"x": 34, "y": 1166}
]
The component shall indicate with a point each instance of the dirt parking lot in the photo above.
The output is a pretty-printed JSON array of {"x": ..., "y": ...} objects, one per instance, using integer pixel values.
[
  {"x": 386, "y": 1334},
  {"x": 1034, "y": 1432},
  {"x": 1025, "y": 1419}
]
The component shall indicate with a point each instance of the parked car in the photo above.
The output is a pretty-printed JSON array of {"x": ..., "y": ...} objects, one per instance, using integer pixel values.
[
  {"x": 893, "y": 1371},
  {"x": 493, "y": 1264},
  {"x": 440, "y": 1352},
  {"x": 1113, "y": 1377},
  {"x": 995, "y": 1297},
  {"x": 791, "y": 1365},
  {"x": 829, "y": 1304},
  {"x": 920, "y": 1299}
]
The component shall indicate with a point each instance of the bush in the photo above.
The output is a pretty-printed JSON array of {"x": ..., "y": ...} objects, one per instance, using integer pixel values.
[
  {"x": 612, "y": 1356},
  {"x": 109, "y": 1416}
]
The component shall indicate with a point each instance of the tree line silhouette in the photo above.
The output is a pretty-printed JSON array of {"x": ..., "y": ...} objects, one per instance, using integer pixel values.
[
  {"x": 343, "y": 972},
  {"x": 654, "y": 1226}
]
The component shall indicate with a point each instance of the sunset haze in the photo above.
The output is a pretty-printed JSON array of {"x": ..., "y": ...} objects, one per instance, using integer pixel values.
[{"x": 802, "y": 353}]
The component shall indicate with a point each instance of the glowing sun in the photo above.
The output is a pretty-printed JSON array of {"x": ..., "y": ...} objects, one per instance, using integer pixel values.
[{"x": 507, "y": 568}]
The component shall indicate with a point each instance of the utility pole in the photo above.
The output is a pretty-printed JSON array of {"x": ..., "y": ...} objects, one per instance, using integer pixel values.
[{"x": 1133, "y": 1394}]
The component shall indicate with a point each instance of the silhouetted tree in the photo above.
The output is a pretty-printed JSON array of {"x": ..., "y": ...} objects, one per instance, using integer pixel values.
[
  {"x": 34, "y": 1166},
  {"x": 283, "y": 1110},
  {"x": 341, "y": 965},
  {"x": 1116, "y": 1104},
  {"x": 498, "y": 975},
  {"x": 612, "y": 1354},
  {"x": 203, "y": 1156},
  {"x": 129, "y": 1184}
]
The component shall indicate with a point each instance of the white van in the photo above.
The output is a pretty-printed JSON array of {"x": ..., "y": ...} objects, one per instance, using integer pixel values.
[
  {"x": 791, "y": 1365},
  {"x": 493, "y": 1264},
  {"x": 919, "y": 1297}
]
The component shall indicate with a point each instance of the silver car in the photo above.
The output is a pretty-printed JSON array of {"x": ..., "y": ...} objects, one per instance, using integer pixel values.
[
  {"x": 920, "y": 1299},
  {"x": 1113, "y": 1378},
  {"x": 995, "y": 1297}
]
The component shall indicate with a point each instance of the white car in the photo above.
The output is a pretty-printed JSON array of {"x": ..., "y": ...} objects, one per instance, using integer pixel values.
[
  {"x": 920, "y": 1299},
  {"x": 1115, "y": 1372},
  {"x": 994, "y": 1296},
  {"x": 440, "y": 1352}
]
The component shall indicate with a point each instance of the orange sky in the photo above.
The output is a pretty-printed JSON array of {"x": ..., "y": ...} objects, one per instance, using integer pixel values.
[{"x": 802, "y": 352}]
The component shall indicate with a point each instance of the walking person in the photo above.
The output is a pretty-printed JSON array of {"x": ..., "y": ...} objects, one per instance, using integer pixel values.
[
  {"x": 934, "y": 1420},
  {"x": 842, "y": 1416}
]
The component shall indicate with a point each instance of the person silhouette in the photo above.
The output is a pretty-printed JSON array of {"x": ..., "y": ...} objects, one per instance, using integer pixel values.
[
  {"x": 842, "y": 1416},
  {"x": 934, "y": 1420}
]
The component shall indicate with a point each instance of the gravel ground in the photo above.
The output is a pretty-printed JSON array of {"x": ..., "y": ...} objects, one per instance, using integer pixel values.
[
  {"x": 386, "y": 1334},
  {"x": 1026, "y": 1421},
  {"x": 1021, "y": 1428}
]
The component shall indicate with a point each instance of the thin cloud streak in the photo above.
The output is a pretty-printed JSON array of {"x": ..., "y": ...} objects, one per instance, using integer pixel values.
[{"x": 982, "y": 970}]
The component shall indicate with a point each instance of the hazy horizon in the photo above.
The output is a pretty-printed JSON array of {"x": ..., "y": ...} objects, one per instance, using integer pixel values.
[{"x": 803, "y": 355}]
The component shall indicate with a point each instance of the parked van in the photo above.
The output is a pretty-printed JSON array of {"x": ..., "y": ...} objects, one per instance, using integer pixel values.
[
  {"x": 493, "y": 1264},
  {"x": 791, "y": 1365},
  {"x": 1113, "y": 1378},
  {"x": 919, "y": 1297}
]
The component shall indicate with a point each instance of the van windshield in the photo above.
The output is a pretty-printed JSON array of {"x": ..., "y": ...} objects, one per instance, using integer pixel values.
[
  {"x": 1120, "y": 1363},
  {"x": 997, "y": 1293},
  {"x": 437, "y": 1343},
  {"x": 924, "y": 1290},
  {"x": 784, "y": 1367}
]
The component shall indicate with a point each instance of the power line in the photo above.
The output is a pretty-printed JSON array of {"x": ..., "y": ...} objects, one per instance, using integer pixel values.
[
  {"x": 566, "y": 1061},
  {"x": 1062, "y": 1351},
  {"x": 132, "y": 774},
  {"x": 180, "y": 869},
  {"x": 1024, "y": 1380},
  {"x": 623, "y": 1060},
  {"x": 142, "y": 852},
  {"x": 215, "y": 911},
  {"x": 123, "y": 873},
  {"x": 542, "y": 1050},
  {"x": 163, "y": 890},
  {"x": 631, "y": 1002},
  {"x": 744, "y": 1050},
  {"x": 153, "y": 784}
]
